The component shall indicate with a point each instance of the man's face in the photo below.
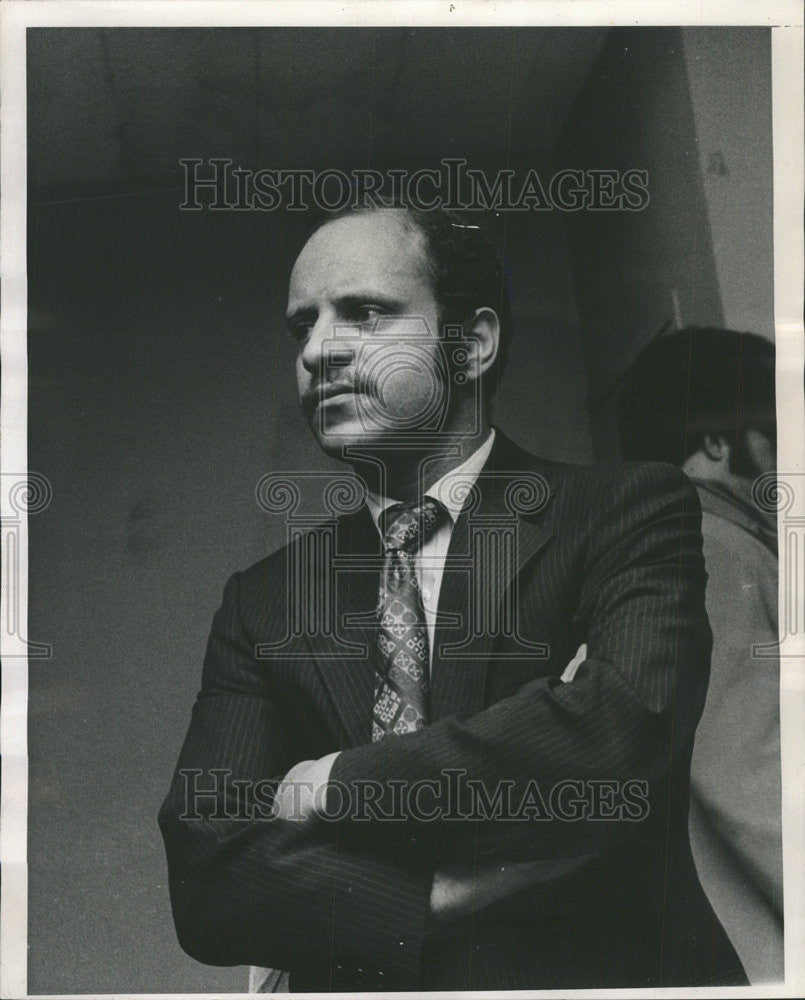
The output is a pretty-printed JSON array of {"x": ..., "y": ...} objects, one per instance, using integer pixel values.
[
  {"x": 363, "y": 313},
  {"x": 756, "y": 453}
]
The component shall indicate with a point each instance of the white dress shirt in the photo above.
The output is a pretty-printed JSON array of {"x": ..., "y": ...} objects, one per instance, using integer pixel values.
[{"x": 451, "y": 491}]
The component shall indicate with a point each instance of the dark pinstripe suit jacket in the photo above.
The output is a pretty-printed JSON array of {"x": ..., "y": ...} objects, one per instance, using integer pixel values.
[{"x": 613, "y": 559}]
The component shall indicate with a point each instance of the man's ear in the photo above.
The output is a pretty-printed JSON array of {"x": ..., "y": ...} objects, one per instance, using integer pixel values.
[
  {"x": 483, "y": 334},
  {"x": 716, "y": 448}
]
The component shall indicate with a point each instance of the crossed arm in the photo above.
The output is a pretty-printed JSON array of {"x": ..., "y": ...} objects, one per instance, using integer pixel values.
[
  {"x": 352, "y": 893},
  {"x": 457, "y": 890}
]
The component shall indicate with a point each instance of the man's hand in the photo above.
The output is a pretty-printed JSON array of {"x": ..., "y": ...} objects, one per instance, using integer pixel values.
[
  {"x": 302, "y": 792},
  {"x": 459, "y": 890},
  {"x": 575, "y": 663}
]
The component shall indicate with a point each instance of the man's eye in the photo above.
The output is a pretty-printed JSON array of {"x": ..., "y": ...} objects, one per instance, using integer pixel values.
[
  {"x": 368, "y": 314},
  {"x": 300, "y": 331}
]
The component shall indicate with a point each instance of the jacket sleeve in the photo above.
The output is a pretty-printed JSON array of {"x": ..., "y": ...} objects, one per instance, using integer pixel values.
[
  {"x": 628, "y": 716},
  {"x": 735, "y": 775},
  {"x": 249, "y": 889}
]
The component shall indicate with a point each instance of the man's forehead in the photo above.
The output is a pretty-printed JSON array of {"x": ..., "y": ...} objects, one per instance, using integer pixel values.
[{"x": 361, "y": 251}]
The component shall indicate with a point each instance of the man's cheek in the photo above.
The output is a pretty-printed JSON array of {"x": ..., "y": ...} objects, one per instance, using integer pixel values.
[{"x": 402, "y": 384}]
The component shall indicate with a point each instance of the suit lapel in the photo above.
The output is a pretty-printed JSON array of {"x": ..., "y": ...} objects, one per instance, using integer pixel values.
[
  {"x": 470, "y": 601},
  {"x": 346, "y": 659},
  {"x": 492, "y": 542}
]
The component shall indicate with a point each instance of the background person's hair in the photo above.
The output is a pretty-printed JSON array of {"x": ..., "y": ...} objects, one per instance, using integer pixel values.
[
  {"x": 465, "y": 270},
  {"x": 695, "y": 382}
]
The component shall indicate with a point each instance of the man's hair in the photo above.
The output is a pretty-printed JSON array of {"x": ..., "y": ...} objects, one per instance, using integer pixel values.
[
  {"x": 696, "y": 382},
  {"x": 464, "y": 269}
]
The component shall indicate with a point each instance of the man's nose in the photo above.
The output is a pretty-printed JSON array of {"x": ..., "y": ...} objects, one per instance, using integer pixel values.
[{"x": 328, "y": 347}]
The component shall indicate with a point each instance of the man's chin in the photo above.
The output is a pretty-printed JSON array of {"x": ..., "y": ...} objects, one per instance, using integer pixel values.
[
  {"x": 349, "y": 442},
  {"x": 335, "y": 439}
]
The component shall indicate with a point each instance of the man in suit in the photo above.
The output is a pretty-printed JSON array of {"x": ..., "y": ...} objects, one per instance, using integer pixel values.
[{"x": 451, "y": 805}]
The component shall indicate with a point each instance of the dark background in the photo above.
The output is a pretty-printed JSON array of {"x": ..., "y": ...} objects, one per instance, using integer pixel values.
[{"x": 161, "y": 380}]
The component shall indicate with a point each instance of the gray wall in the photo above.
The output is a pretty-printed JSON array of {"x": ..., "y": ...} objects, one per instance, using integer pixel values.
[
  {"x": 729, "y": 75},
  {"x": 692, "y": 107}
]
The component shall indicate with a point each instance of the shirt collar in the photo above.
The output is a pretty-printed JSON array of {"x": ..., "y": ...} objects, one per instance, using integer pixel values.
[{"x": 452, "y": 500}]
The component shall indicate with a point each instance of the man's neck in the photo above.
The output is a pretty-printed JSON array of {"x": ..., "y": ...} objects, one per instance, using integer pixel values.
[
  {"x": 406, "y": 474},
  {"x": 719, "y": 474}
]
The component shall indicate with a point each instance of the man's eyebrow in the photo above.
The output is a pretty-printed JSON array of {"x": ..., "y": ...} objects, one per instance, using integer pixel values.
[
  {"x": 359, "y": 298},
  {"x": 352, "y": 300}
]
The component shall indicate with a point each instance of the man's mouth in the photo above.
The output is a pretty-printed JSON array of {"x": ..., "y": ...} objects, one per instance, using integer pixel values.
[{"x": 327, "y": 392}]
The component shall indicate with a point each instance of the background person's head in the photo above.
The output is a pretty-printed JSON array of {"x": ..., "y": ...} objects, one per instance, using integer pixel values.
[
  {"x": 702, "y": 399},
  {"x": 402, "y": 322}
]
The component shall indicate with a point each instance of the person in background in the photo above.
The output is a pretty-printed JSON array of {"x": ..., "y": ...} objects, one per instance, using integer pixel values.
[{"x": 703, "y": 399}]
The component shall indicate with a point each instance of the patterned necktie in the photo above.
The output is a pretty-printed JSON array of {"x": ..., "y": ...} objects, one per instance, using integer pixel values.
[{"x": 401, "y": 677}]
